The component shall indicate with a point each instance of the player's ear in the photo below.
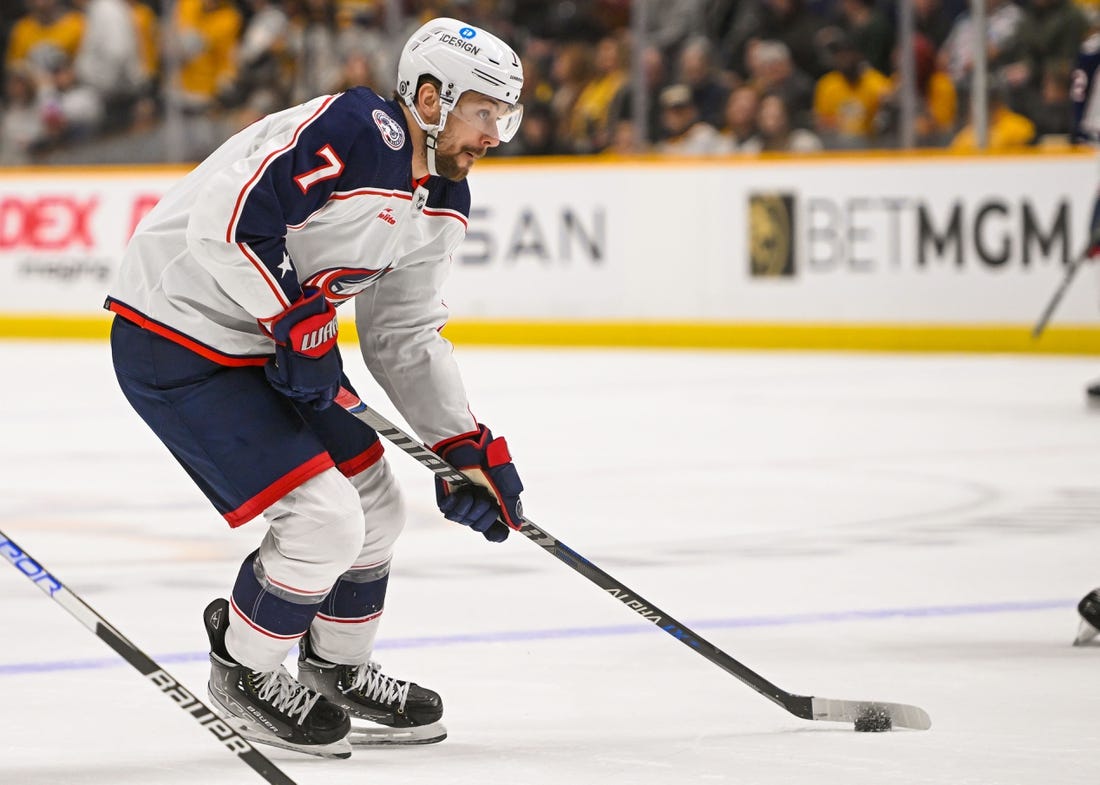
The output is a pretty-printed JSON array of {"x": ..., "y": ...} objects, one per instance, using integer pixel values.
[{"x": 427, "y": 101}]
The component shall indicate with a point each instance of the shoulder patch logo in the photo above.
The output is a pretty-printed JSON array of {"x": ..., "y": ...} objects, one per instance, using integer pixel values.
[{"x": 392, "y": 132}]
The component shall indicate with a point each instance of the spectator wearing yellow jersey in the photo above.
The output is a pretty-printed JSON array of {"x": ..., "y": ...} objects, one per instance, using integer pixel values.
[
  {"x": 847, "y": 98},
  {"x": 46, "y": 36},
  {"x": 147, "y": 25},
  {"x": 936, "y": 118},
  {"x": 589, "y": 125},
  {"x": 205, "y": 51},
  {"x": 1008, "y": 130},
  {"x": 207, "y": 41}
]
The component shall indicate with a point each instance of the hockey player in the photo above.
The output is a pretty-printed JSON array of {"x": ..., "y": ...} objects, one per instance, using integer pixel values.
[
  {"x": 224, "y": 342},
  {"x": 1085, "y": 95}
]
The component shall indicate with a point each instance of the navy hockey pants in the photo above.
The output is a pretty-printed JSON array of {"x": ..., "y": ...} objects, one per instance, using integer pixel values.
[{"x": 242, "y": 442}]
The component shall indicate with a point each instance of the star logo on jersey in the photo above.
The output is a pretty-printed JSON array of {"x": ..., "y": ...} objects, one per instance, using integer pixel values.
[
  {"x": 392, "y": 132},
  {"x": 286, "y": 266}
]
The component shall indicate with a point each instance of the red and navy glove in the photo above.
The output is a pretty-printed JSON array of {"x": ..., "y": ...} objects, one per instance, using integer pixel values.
[
  {"x": 491, "y": 503},
  {"x": 307, "y": 365}
]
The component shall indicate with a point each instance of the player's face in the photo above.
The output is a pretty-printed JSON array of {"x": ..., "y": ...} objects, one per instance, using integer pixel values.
[{"x": 470, "y": 131}]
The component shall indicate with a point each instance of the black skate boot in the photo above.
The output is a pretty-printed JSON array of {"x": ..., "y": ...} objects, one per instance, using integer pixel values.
[
  {"x": 1089, "y": 608},
  {"x": 271, "y": 707},
  {"x": 410, "y": 712}
]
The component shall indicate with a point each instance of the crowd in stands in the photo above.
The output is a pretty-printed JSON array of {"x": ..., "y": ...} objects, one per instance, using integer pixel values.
[{"x": 95, "y": 80}]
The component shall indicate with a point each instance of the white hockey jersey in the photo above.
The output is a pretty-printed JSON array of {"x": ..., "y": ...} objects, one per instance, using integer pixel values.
[
  {"x": 321, "y": 195},
  {"x": 1084, "y": 91}
]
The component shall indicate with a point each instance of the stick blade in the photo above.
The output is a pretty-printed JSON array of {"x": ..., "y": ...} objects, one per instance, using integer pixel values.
[{"x": 902, "y": 715}]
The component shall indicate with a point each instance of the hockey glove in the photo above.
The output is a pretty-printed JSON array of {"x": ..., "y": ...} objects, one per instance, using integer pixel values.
[
  {"x": 307, "y": 364},
  {"x": 491, "y": 504}
]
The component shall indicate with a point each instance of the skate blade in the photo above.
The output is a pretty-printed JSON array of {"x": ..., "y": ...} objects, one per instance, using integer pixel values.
[
  {"x": 384, "y": 736},
  {"x": 337, "y": 749},
  {"x": 1086, "y": 635}
]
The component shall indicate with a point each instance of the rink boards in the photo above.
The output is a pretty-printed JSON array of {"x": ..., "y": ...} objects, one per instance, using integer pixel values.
[{"x": 875, "y": 251}]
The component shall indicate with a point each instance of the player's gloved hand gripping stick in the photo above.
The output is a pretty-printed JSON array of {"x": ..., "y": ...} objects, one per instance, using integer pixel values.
[
  {"x": 866, "y": 715},
  {"x": 307, "y": 364},
  {"x": 491, "y": 484}
]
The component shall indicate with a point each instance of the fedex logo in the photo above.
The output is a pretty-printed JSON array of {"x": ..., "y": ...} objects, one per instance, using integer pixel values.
[{"x": 47, "y": 223}]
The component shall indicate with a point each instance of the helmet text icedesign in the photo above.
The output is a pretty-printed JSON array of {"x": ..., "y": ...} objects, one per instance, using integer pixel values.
[{"x": 462, "y": 57}]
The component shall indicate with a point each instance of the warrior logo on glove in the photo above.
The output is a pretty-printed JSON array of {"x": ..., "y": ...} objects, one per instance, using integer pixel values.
[{"x": 307, "y": 365}]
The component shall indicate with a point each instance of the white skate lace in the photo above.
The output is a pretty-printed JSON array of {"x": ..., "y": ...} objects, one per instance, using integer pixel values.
[
  {"x": 372, "y": 683},
  {"x": 284, "y": 693}
]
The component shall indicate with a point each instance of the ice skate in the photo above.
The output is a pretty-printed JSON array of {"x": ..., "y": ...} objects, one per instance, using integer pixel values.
[
  {"x": 407, "y": 712},
  {"x": 1089, "y": 608},
  {"x": 271, "y": 707}
]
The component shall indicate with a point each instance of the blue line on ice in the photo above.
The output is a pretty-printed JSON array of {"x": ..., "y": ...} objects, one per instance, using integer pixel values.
[{"x": 783, "y": 620}]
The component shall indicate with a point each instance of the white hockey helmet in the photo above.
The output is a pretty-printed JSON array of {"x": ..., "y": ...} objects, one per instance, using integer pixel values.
[{"x": 462, "y": 57}]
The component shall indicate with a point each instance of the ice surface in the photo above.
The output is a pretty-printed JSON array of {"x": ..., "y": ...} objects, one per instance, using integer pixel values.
[{"x": 910, "y": 528}]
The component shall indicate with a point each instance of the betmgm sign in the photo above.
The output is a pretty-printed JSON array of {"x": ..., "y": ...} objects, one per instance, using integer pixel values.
[{"x": 825, "y": 234}]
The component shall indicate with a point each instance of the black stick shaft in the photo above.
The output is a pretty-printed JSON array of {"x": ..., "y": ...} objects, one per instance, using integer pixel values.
[
  {"x": 651, "y": 613},
  {"x": 1056, "y": 298},
  {"x": 799, "y": 705},
  {"x": 141, "y": 662}
]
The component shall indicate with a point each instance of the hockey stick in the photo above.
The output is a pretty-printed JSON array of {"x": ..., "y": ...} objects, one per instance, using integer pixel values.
[
  {"x": 804, "y": 706},
  {"x": 84, "y": 614},
  {"x": 1060, "y": 292}
]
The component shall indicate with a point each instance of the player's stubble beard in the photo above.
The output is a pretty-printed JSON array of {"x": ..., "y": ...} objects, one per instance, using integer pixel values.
[{"x": 447, "y": 159}]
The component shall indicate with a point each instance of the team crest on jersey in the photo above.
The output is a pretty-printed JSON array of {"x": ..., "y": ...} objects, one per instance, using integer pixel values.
[
  {"x": 342, "y": 283},
  {"x": 392, "y": 132}
]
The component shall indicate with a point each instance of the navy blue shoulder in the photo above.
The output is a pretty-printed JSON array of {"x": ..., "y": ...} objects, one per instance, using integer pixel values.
[
  {"x": 383, "y": 147},
  {"x": 378, "y": 145},
  {"x": 448, "y": 195}
]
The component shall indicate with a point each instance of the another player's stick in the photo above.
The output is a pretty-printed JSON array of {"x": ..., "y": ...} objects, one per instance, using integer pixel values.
[
  {"x": 1067, "y": 279},
  {"x": 804, "y": 706},
  {"x": 84, "y": 614}
]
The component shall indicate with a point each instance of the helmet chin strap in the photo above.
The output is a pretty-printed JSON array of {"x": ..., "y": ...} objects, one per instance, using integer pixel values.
[
  {"x": 429, "y": 151},
  {"x": 431, "y": 136}
]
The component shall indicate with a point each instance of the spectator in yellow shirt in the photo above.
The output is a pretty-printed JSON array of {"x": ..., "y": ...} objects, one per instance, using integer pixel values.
[
  {"x": 1007, "y": 129},
  {"x": 936, "y": 99},
  {"x": 589, "y": 122},
  {"x": 208, "y": 35},
  {"x": 148, "y": 33},
  {"x": 46, "y": 36},
  {"x": 847, "y": 98}
]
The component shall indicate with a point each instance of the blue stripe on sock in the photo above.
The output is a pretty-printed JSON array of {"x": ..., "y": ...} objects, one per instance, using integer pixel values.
[{"x": 353, "y": 600}]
